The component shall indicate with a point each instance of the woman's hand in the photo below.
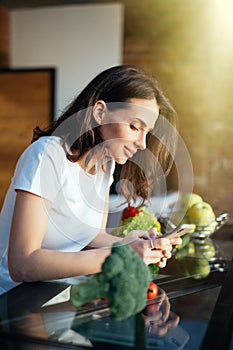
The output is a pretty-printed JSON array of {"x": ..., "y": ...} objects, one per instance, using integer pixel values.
[
  {"x": 151, "y": 246},
  {"x": 158, "y": 316}
]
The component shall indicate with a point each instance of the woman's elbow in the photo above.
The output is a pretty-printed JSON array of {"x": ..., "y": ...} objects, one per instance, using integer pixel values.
[
  {"x": 15, "y": 273},
  {"x": 18, "y": 271}
]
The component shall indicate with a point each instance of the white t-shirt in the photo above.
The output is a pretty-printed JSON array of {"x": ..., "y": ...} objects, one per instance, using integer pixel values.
[{"x": 78, "y": 199}]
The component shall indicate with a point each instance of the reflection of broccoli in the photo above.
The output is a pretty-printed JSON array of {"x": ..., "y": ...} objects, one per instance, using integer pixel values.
[{"x": 124, "y": 281}]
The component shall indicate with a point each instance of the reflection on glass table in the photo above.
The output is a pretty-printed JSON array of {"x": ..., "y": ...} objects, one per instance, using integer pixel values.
[
  {"x": 155, "y": 328},
  {"x": 42, "y": 314},
  {"x": 92, "y": 326}
]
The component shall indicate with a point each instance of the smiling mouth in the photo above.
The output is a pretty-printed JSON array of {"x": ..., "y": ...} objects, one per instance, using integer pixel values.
[{"x": 128, "y": 152}]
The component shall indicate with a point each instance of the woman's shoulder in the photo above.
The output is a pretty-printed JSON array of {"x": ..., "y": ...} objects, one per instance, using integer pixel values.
[
  {"x": 45, "y": 150},
  {"x": 45, "y": 144}
]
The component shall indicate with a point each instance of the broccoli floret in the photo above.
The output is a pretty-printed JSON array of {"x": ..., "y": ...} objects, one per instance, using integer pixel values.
[{"x": 123, "y": 280}]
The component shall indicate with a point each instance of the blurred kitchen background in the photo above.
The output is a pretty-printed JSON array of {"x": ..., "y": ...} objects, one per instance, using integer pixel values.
[{"x": 50, "y": 49}]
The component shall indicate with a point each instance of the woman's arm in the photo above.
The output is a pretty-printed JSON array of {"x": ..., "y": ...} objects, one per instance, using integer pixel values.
[{"x": 28, "y": 261}]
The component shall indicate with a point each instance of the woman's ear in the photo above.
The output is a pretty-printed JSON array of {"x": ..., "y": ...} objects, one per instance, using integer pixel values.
[{"x": 99, "y": 111}]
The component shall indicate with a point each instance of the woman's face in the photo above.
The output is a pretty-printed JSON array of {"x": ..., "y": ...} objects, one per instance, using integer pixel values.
[{"x": 124, "y": 130}]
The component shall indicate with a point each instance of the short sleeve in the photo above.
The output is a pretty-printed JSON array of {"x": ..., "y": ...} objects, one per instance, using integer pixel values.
[{"x": 40, "y": 168}]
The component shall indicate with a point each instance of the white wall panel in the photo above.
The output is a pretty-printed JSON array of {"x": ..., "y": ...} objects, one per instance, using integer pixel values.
[{"x": 80, "y": 41}]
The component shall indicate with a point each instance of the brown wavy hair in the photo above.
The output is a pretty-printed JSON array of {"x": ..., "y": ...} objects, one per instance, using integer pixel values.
[{"x": 120, "y": 84}]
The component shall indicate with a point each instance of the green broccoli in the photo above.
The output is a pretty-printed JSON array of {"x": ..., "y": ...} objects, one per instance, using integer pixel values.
[{"x": 123, "y": 280}]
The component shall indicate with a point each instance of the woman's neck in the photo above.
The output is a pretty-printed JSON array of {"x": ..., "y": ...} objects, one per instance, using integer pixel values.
[{"x": 90, "y": 159}]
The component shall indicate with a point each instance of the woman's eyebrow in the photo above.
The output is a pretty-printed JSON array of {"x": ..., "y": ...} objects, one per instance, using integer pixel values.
[{"x": 144, "y": 125}]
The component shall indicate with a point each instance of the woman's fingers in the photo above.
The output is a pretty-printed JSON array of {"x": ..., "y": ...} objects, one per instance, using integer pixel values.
[
  {"x": 152, "y": 239},
  {"x": 150, "y": 245},
  {"x": 162, "y": 263},
  {"x": 173, "y": 320},
  {"x": 153, "y": 233},
  {"x": 176, "y": 241}
]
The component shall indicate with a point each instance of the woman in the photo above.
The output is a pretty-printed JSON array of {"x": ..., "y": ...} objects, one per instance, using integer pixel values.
[{"x": 57, "y": 204}]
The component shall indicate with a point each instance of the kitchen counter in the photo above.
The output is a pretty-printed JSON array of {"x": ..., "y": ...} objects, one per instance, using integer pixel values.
[{"x": 189, "y": 313}]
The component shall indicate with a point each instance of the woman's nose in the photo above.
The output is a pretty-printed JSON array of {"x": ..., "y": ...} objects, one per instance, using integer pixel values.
[{"x": 141, "y": 141}]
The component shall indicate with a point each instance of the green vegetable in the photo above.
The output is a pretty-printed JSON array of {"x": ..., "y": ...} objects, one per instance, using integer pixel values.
[
  {"x": 144, "y": 220},
  {"x": 123, "y": 280},
  {"x": 154, "y": 269},
  {"x": 185, "y": 241}
]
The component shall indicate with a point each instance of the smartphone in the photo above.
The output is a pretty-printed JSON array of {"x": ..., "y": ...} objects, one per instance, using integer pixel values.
[{"x": 178, "y": 231}]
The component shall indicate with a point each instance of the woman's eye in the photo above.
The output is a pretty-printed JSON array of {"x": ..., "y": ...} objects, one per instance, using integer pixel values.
[{"x": 133, "y": 127}]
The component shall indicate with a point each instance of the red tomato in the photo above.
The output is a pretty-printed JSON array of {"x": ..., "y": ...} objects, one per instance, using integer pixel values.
[
  {"x": 129, "y": 212},
  {"x": 152, "y": 291}
]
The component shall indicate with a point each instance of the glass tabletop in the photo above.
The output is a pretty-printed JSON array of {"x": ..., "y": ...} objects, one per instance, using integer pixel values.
[{"x": 40, "y": 315}]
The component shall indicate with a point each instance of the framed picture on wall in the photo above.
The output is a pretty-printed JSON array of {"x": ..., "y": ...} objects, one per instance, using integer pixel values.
[{"x": 27, "y": 99}]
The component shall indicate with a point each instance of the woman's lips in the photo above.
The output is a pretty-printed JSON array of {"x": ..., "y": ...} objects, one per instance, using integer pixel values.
[{"x": 128, "y": 152}]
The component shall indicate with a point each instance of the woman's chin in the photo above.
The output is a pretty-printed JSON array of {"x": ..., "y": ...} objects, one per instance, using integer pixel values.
[{"x": 121, "y": 161}]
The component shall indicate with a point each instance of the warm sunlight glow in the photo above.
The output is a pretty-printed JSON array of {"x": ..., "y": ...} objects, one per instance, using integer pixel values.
[{"x": 222, "y": 18}]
